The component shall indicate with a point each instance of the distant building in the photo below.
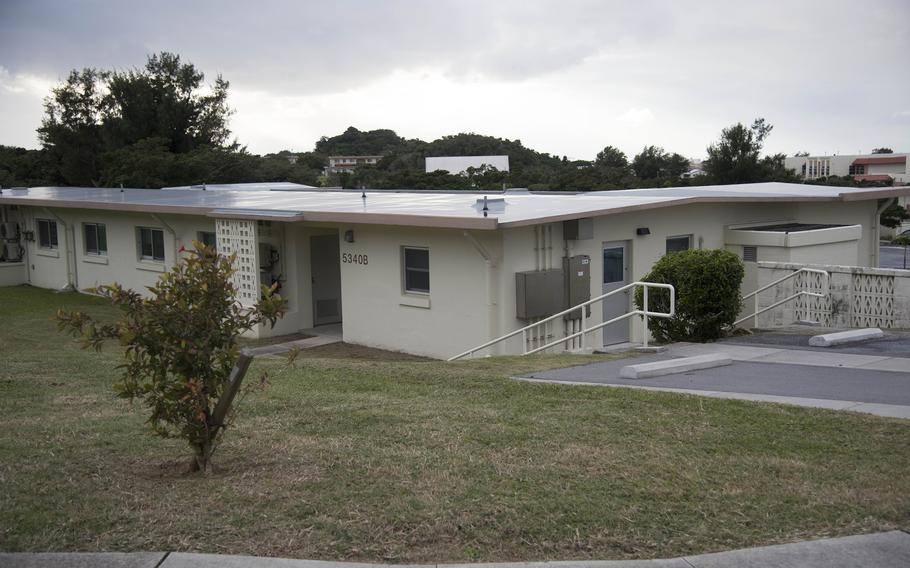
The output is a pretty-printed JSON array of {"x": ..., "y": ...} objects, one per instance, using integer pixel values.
[
  {"x": 346, "y": 164},
  {"x": 862, "y": 167},
  {"x": 460, "y": 164}
]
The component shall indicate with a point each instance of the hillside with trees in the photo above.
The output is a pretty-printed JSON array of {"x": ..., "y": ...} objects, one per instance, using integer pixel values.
[{"x": 159, "y": 125}]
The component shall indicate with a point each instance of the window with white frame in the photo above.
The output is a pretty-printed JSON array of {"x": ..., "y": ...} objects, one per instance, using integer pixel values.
[
  {"x": 416, "y": 269},
  {"x": 47, "y": 234},
  {"x": 678, "y": 243},
  {"x": 151, "y": 244},
  {"x": 95, "y": 238}
]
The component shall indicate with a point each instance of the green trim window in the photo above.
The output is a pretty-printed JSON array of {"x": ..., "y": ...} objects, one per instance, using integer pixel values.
[
  {"x": 47, "y": 234},
  {"x": 95, "y": 238},
  {"x": 151, "y": 244},
  {"x": 416, "y": 267}
]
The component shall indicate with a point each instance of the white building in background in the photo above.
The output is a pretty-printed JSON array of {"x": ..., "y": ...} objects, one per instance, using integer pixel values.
[
  {"x": 346, "y": 164},
  {"x": 425, "y": 272},
  {"x": 460, "y": 164},
  {"x": 862, "y": 167}
]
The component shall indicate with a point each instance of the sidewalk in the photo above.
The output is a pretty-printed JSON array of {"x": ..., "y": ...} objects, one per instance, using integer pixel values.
[{"x": 862, "y": 551}]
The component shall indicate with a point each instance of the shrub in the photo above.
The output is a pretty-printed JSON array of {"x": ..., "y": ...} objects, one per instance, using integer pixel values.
[
  {"x": 708, "y": 298},
  {"x": 180, "y": 345}
]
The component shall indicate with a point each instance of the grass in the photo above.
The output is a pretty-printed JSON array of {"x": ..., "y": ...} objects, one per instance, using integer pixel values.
[{"x": 371, "y": 456}]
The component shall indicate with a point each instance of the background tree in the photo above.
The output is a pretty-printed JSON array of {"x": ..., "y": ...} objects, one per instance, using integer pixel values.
[
  {"x": 736, "y": 158},
  {"x": 882, "y": 151},
  {"x": 180, "y": 344},
  {"x": 893, "y": 216},
  {"x": 654, "y": 162}
]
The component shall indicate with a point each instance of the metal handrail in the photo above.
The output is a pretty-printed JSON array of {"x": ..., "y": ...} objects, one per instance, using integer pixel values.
[
  {"x": 644, "y": 312},
  {"x": 755, "y": 294}
]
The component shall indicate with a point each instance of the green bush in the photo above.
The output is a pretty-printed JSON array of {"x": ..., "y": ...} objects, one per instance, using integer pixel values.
[{"x": 708, "y": 298}]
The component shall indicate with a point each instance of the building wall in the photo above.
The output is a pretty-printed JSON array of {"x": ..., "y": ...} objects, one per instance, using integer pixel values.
[{"x": 376, "y": 311}]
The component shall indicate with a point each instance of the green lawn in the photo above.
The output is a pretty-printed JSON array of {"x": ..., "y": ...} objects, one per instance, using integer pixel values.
[{"x": 365, "y": 455}]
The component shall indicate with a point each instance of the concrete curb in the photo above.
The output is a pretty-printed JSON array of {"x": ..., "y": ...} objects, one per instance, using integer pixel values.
[
  {"x": 674, "y": 366},
  {"x": 877, "y": 549},
  {"x": 844, "y": 337}
]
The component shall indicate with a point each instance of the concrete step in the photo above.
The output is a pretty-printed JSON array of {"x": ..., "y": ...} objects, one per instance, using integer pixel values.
[
  {"x": 843, "y": 337},
  {"x": 673, "y": 366}
]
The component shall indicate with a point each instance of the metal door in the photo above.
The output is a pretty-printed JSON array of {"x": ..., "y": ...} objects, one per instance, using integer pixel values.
[
  {"x": 615, "y": 275},
  {"x": 326, "y": 278}
]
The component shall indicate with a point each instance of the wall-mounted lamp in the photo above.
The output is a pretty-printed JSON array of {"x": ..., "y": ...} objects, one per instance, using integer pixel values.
[
  {"x": 349, "y": 236},
  {"x": 642, "y": 231}
]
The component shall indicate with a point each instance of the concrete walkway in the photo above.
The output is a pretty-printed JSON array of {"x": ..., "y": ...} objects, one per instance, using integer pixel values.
[
  {"x": 323, "y": 335},
  {"x": 872, "y": 384},
  {"x": 873, "y": 550}
]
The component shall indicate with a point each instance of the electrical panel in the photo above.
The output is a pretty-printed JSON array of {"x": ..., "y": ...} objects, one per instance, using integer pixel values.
[
  {"x": 539, "y": 293},
  {"x": 578, "y": 283},
  {"x": 578, "y": 229}
]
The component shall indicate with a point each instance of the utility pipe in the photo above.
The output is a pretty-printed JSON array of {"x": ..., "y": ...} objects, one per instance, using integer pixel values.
[
  {"x": 489, "y": 263},
  {"x": 171, "y": 231}
]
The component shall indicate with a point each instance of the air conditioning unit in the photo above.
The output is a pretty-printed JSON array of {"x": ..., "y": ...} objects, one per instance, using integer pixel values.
[
  {"x": 11, "y": 252},
  {"x": 9, "y": 230}
]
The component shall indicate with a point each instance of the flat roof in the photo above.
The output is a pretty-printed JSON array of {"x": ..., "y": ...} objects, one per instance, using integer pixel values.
[{"x": 462, "y": 210}]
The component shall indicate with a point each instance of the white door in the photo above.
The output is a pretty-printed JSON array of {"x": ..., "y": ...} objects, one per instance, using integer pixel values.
[
  {"x": 615, "y": 275},
  {"x": 326, "y": 270}
]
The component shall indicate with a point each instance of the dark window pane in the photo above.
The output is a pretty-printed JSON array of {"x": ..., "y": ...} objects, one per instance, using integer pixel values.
[
  {"x": 44, "y": 234},
  {"x": 91, "y": 239},
  {"x": 207, "y": 238},
  {"x": 102, "y": 239},
  {"x": 613, "y": 265},
  {"x": 676, "y": 244},
  {"x": 53, "y": 226},
  {"x": 145, "y": 242},
  {"x": 158, "y": 245},
  {"x": 417, "y": 281},
  {"x": 417, "y": 258}
]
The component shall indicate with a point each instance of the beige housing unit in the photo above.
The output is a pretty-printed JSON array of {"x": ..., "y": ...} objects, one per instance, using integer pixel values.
[{"x": 425, "y": 272}]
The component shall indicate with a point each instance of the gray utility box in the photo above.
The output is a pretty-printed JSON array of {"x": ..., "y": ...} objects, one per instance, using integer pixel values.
[
  {"x": 578, "y": 229},
  {"x": 539, "y": 293},
  {"x": 578, "y": 283}
]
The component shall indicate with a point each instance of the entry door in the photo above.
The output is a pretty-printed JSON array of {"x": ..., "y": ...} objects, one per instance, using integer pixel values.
[
  {"x": 326, "y": 277},
  {"x": 615, "y": 275}
]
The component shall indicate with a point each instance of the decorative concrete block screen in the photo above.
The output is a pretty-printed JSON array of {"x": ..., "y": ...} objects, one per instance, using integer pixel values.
[
  {"x": 240, "y": 237},
  {"x": 858, "y": 296}
]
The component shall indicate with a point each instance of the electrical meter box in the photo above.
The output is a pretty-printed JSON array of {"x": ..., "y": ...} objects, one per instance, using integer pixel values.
[
  {"x": 578, "y": 229},
  {"x": 539, "y": 293},
  {"x": 578, "y": 283}
]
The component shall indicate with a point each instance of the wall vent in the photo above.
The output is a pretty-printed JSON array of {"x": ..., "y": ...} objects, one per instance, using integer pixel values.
[{"x": 750, "y": 254}]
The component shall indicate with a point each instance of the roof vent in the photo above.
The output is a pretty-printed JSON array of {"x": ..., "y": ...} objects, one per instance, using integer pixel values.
[{"x": 490, "y": 205}]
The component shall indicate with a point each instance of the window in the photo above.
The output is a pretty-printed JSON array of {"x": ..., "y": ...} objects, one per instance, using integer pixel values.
[
  {"x": 207, "y": 238},
  {"x": 614, "y": 264},
  {"x": 151, "y": 244},
  {"x": 95, "y": 238},
  {"x": 857, "y": 170},
  {"x": 416, "y": 270},
  {"x": 750, "y": 254},
  {"x": 47, "y": 234},
  {"x": 676, "y": 244}
]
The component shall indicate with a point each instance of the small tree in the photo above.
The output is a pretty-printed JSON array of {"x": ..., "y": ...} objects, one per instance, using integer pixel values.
[
  {"x": 180, "y": 345},
  {"x": 708, "y": 299}
]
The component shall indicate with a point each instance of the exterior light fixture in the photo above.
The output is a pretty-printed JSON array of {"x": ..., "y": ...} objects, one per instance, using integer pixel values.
[
  {"x": 349, "y": 236},
  {"x": 642, "y": 231}
]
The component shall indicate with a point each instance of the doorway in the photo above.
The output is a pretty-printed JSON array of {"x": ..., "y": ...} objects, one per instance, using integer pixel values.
[
  {"x": 325, "y": 270},
  {"x": 615, "y": 276}
]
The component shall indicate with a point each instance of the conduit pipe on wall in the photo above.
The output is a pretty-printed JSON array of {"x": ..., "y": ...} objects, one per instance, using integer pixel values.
[
  {"x": 489, "y": 272},
  {"x": 876, "y": 228},
  {"x": 171, "y": 231},
  {"x": 72, "y": 278}
]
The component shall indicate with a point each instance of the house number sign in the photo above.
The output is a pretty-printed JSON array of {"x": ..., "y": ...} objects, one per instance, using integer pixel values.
[{"x": 349, "y": 258}]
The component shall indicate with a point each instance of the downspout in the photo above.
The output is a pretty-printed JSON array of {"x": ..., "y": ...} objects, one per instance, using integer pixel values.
[
  {"x": 72, "y": 278},
  {"x": 169, "y": 230},
  {"x": 489, "y": 266},
  {"x": 876, "y": 229}
]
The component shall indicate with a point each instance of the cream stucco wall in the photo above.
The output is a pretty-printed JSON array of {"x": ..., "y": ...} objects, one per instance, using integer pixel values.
[{"x": 472, "y": 274}]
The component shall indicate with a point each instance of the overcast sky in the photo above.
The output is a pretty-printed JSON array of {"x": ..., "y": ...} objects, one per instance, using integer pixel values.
[{"x": 565, "y": 77}]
